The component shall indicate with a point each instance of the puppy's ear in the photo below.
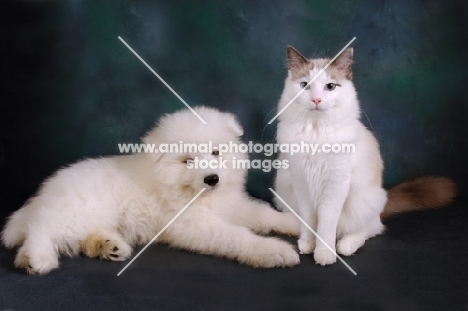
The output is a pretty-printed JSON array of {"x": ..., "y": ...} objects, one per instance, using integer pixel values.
[
  {"x": 234, "y": 126},
  {"x": 152, "y": 141}
]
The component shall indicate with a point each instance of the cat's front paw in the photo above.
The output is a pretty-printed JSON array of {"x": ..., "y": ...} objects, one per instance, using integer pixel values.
[
  {"x": 306, "y": 246},
  {"x": 324, "y": 257}
]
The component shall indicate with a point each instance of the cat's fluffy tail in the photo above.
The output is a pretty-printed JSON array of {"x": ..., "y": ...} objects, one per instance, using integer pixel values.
[{"x": 421, "y": 193}]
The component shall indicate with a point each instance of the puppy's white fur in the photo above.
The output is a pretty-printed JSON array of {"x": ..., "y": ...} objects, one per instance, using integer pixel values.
[{"x": 127, "y": 200}]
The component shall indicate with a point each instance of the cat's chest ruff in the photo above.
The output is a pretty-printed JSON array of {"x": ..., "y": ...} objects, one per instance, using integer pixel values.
[{"x": 310, "y": 133}]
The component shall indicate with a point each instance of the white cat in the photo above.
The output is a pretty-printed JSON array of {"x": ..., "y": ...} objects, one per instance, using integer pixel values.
[{"x": 340, "y": 195}]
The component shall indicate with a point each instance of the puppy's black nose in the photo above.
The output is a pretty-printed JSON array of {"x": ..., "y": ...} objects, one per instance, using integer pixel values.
[{"x": 211, "y": 180}]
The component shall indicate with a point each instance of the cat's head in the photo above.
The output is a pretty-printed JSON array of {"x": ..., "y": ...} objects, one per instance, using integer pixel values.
[{"x": 331, "y": 93}]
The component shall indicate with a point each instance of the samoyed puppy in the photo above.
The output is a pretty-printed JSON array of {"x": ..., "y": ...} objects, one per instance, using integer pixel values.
[{"x": 103, "y": 207}]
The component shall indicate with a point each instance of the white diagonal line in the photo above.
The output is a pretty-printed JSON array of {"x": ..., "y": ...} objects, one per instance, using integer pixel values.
[
  {"x": 312, "y": 230},
  {"x": 162, "y": 80},
  {"x": 162, "y": 230},
  {"x": 313, "y": 79}
]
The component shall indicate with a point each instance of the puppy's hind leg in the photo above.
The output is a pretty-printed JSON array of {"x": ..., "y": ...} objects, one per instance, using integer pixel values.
[
  {"x": 38, "y": 255},
  {"x": 107, "y": 245}
]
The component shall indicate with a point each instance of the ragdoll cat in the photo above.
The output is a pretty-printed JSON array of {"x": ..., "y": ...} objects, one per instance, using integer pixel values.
[{"x": 339, "y": 195}]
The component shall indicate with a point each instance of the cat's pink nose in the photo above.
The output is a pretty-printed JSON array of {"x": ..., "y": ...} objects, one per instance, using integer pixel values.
[{"x": 316, "y": 101}]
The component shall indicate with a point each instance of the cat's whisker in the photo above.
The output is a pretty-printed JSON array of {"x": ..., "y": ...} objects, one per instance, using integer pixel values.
[
  {"x": 263, "y": 131},
  {"x": 370, "y": 123}
]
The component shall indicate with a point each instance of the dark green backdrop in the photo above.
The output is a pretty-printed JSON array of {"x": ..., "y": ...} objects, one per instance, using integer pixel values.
[{"x": 71, "y": 89}]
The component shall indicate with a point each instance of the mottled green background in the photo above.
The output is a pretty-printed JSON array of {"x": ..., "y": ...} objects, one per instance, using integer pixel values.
[{"x": 71, "y": 89}]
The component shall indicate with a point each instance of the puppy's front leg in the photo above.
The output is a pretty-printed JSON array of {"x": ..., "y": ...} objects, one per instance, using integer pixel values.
[
  {"x": 260, "y": 217},
  {"x": 215, "y": 236}
]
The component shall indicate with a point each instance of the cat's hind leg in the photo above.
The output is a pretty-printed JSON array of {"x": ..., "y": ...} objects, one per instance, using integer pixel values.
[
  {"x": 350, "y": 243},
  {"x": 360, "y": 220},
  {"x": 106, "y": 245}
]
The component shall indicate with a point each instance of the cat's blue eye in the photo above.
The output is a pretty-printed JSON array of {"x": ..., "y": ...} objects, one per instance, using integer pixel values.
[
  {"x": 305, "y": 86},
  {"x": 330, "y": 86}
]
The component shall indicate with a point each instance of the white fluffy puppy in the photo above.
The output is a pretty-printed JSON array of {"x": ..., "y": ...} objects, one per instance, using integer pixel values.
[{"x": 103, "y": 207}]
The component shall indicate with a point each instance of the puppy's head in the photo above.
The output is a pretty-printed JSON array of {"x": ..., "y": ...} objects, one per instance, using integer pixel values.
[{"x": 188, "y": 157}]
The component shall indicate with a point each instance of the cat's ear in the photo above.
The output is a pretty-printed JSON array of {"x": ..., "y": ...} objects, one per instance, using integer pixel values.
[
  {"x": 296, "y": 61},
  {"x": 343, "y": 63}
]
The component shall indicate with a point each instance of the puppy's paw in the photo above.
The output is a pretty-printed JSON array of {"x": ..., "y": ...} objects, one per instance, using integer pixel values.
[
  {"x": 115, "y": 250},
  {"x": 289, "y": 257},
  {"x": 324, "y": 257},
  {"x": 22, "y": 259},
  {"x": 277, "y": 254},
  {"x": 306, "y": 246},
  {"x": 290, "y": 225},
  {"x": 41, "y": 263}
]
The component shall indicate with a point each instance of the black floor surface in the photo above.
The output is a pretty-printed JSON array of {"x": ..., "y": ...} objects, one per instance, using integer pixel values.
[{"x": 419, "y": 263}]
